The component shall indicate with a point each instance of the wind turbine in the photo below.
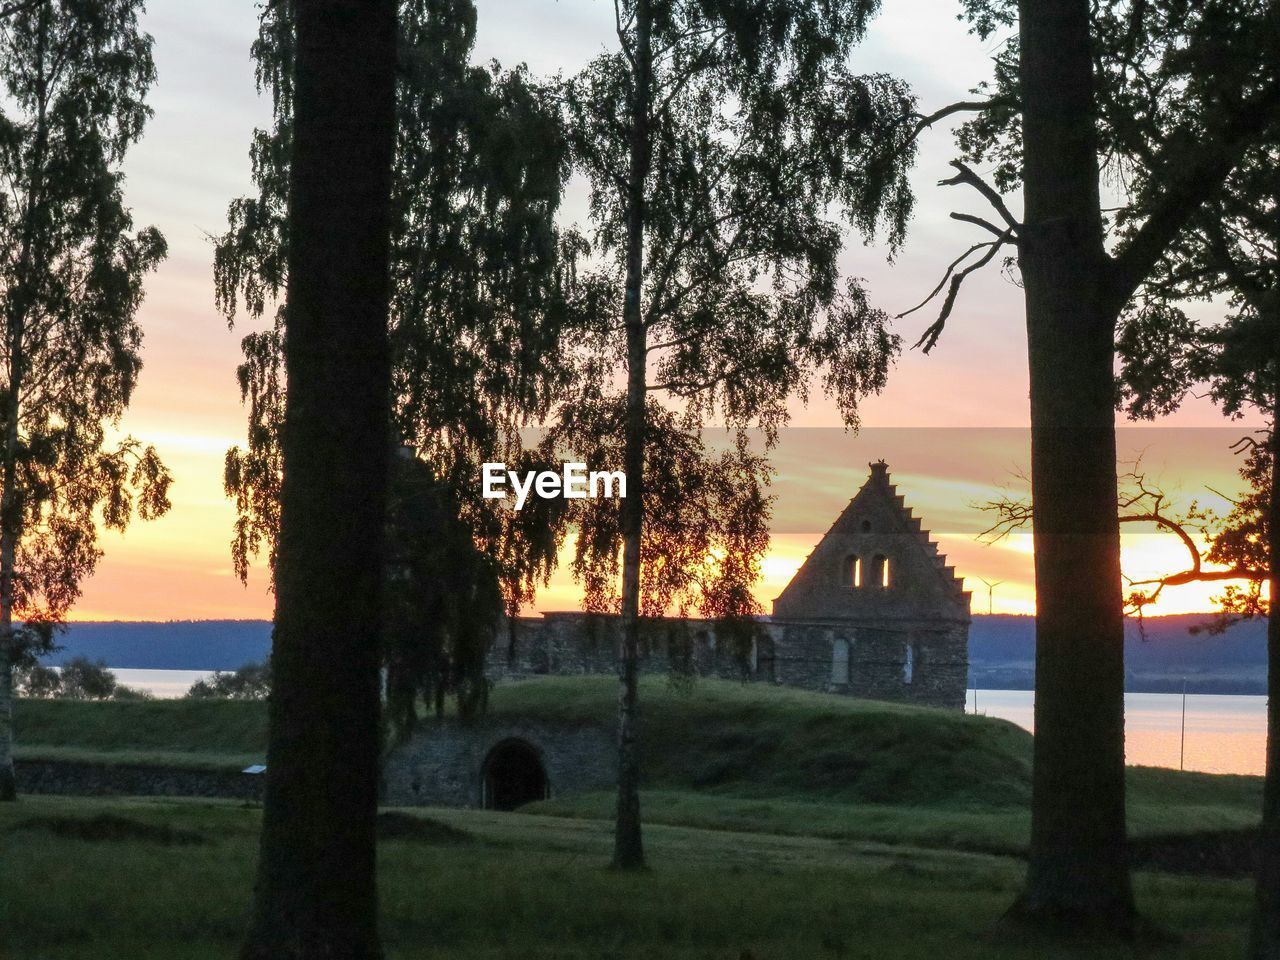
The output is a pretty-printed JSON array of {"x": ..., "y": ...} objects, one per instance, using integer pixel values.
[{"x": 991, "y": 588}]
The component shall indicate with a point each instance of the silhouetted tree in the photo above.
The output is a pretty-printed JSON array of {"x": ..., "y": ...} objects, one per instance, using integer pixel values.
[
  {"x": 1171, "y": 96},
  {"x": 479, "y": 280},
  {"x": 37, "y": 682},
  {"x": 1232, "y": 252},
  {"x": 316, "y": 893},
  {"x": 251, "y": 681},
  {"x": 716, "y": 138},
  {"x": 75, "y": 74},
  {"x": 443, "y": 605}
]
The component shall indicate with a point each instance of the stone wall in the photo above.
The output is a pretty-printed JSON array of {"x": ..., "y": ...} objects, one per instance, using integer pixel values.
[
  {"x": 101, "y": 779},
  {"x": 867, "y": 659},
  {"x": 443, "y": 764},
  {"x": 924, "y": 663}
]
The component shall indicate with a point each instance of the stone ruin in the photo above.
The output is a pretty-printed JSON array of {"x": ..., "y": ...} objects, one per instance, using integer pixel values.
[{"x": 874, "y": 611}]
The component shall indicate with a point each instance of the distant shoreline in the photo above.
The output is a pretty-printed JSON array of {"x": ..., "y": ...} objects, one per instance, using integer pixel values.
[{"x": 1158, "y": 657}]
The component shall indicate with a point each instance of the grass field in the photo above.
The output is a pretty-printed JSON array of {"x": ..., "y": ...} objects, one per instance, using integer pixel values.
[
  {"x": 780, "y": 825},
  {"x": 147, "y": 879}
]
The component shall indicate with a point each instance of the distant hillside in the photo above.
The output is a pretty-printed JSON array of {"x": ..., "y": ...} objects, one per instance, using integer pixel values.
[
  {"x": 1001, "y": 651},
  {"x": 175, "y": 645},
  {"x": 1158, "y": 656}
]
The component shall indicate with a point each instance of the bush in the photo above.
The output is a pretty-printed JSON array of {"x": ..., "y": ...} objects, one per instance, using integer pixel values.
[
  {"x": 250, "y": 682},
  {"x": 38, "y": 682},
  {"x": 83, "y": 679}
]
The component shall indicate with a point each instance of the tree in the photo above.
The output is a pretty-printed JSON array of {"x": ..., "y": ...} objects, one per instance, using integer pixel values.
[
  {"x": 1233, "y": 251},
  {"x": 75, "y": 74},
  {"x": 1170, "y": 97},
  {"x": 714, "y": 139},
  {"x": 252, "y": 681},
  {"x": 37, "y": 682},
  {"x": 83, "y": 679},
  {"x": 316, "y": 890},
  {"x": 444, "y": 601},
  {"x": 480, "y": 280}
]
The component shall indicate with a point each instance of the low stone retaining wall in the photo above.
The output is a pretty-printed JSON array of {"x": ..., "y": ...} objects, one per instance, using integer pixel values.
[{"x": 109, "y": 779}]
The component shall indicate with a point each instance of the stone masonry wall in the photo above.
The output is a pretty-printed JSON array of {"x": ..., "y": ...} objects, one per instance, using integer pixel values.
[
  {"x": 796, "y": 653},
  {"x": 443, "y": 763},
  {"x": 100, "y": 779}
]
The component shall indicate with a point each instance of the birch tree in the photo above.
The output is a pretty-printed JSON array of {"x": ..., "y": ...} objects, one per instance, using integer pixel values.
[
  {"x": 721, "y": 140},
  {"x": 75, "y": 75}
]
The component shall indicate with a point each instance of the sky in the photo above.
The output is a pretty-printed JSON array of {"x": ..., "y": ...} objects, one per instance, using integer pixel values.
[{"x": 952, "y": 425}]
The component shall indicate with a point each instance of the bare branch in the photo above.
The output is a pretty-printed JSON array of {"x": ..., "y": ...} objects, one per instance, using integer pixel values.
[
  {"x": 929, "y": 339},
  {"x": 980, "y": 222},
  {"x": 965, "y": 175},
  {"x": 924, "y": 122}
]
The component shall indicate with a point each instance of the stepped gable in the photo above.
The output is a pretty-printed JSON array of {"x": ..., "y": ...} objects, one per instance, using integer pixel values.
[{"x": 875, "y": 564}]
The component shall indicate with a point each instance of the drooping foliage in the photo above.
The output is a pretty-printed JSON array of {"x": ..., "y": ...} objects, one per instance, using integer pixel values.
[
  {"x": 75, "y": 76},
  {"x": 759, "y": 137},
  {"x": 479, "y": 307},
  {"x": 443, "y": 601},
  {"x": 722, "y": 141}
]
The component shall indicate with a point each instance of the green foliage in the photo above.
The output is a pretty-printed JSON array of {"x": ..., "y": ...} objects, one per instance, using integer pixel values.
[
  {"x": 78, "y": 679},
  {"x": 82, "y": 679},
  {"x": 479, "y": 278},
  {"x": 36, "y": 681},
  {"x": 443, "y": 601},
  {"x": 252, "y": 681},
  {"x": 756, "y": 136},
  {"x": 75, "y": 74}
]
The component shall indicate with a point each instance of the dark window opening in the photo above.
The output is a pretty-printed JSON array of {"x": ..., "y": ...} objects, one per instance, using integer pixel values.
[
  {"x": 866, "y": 526},
  {"x": 513, "y": 775},
  {"x": 851, "y": 573},
  {"x": 880, "y": 571}
]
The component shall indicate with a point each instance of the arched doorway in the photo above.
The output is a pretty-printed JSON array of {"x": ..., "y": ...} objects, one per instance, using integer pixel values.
[{"x": 512, "y": 776}]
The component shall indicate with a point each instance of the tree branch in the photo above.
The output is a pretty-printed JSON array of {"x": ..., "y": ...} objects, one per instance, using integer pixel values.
[
  {"x": 1194, "y": 175},
  {"x": 924, "y": 122},
  {"x": 929, "y": 339},
  {"x": 965, "y": 175}
]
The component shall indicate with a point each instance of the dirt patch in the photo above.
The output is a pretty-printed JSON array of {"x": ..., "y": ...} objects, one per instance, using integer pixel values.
[{"x": 108, "y": 828}]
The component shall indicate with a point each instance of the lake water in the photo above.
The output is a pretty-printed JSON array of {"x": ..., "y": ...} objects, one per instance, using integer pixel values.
[
  {"x": 1225, "y": 734},
  {"x": 160, "y": 683}
]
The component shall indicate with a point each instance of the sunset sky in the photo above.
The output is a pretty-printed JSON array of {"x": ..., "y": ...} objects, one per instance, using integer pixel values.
[{"x": 951, "y": 425}]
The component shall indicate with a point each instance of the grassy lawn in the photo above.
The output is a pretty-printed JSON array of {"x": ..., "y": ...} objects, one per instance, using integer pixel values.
[
  {"x": 781, "y": 824},
  {"x": 169, "y": 879}
]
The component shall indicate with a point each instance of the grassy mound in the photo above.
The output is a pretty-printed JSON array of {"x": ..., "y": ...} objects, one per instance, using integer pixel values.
[
  {"x": 718, "y": 738},
  {"x": 65, "y": 728},
  {"x": 766, "y": 741}
]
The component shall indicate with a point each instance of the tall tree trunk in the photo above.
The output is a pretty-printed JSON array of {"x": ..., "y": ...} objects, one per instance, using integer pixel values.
[
  {"x": 10, "y": 534},
  {"x": 8, "y": 778},
  {"x": 11, "y": 525},
  {"x": 316, "y": 893},
  {"x": 1078, "y": 876},
  {"x": 1265, "y": 933},
  {"x": 628, "y": 846}
]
